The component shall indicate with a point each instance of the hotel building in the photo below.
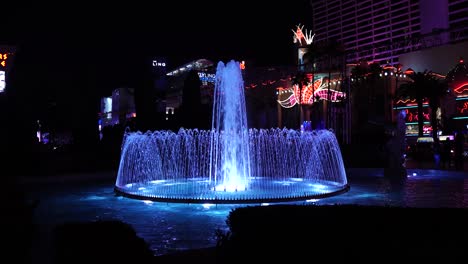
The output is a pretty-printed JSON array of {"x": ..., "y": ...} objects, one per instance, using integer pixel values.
[{"x": 381, "y": 30}]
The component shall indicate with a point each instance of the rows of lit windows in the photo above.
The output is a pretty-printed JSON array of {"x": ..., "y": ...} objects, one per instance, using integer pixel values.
[{"x": 366, "y": 25}]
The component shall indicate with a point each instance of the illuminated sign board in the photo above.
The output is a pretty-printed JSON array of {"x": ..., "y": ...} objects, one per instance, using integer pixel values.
[
  {"x": 157, "y": 63},
  {"x": 6, "y": 56},
  {"x": 242, "y": 65},
  {"x": 2, "y": 81},
  {"x": 413, "y": 129},
  {"x": 301, "y": 38},
  {"x": 3, "y": 59},
  {"x": 412, "y": 115},
  {"x": 207, "y": 77},
  {"x": 462, "y": 108},
  {"x": 460, "y": 89}
]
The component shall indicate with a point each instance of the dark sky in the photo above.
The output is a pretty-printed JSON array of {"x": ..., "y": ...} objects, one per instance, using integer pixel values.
[{"x": 59, "y": 39}]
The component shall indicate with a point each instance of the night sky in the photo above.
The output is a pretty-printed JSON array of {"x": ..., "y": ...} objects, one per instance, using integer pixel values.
[{"x": 63, "y": 41}]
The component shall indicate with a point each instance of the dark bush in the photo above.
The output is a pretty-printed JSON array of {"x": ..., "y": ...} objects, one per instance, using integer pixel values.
[
  {"x": 99, "y": 242},
  {"x": 345, "y": 233}
]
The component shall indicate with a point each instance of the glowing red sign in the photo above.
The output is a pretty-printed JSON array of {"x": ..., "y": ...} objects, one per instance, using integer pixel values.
[
  {"x": 460, "y": 89},
  {"x": 427, "y": 129},
  {"x": 242, "y": 65},
  {"x": 464, "y": 108},
  {"x": 412, "y": 115}
]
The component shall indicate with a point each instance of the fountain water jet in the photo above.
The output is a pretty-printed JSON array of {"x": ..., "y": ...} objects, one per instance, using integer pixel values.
[
  {"x": 230, "y": 163},
  {"x": 229, "y": 155}
]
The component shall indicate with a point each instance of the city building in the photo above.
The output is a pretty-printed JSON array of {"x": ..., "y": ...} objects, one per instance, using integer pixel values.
[
  {"x": 382, "y": 30},
  {"x": 118, "y": 108},
  {"x": 316, "y": 94},
  {"x": 206, "y": 71},
  {"x": 458, "y": 83},
  {"x": 6, "y": 60}
]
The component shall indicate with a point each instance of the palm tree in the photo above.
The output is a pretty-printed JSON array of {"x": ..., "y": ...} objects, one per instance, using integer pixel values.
[{"x": 436, "y": 90}]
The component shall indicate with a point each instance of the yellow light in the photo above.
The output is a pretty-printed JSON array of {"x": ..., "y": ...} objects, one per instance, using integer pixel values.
[{"x": 2, "y": 63}]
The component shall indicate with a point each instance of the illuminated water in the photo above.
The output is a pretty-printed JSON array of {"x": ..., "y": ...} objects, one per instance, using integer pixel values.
[
  {"x": 229, "y": 146},
  {"x": 168, "y": 227},
  {"x": 230, "y": 163}
]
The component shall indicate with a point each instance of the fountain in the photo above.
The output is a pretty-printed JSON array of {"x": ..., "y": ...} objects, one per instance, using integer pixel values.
[{"x": 230, "y": 163}]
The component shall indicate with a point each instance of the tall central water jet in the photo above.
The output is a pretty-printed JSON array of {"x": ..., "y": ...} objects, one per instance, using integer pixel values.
[
  {"x": 229, "y": 152},
  {"x": 230, "y": 163}
]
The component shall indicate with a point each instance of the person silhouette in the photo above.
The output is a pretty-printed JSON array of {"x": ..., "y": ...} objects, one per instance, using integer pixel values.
[
  {"x": 459, "y": 148},
  {"x": 446, "y": 155}
]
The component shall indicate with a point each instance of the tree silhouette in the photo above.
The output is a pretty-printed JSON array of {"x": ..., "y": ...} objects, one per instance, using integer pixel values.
[{"x": 191, "y": 101}]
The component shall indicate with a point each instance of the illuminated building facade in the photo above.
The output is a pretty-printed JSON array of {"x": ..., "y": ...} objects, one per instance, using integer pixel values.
[
  {"x": 440, "y": 61},
  {"x": 315, "y": 96},
  {"x": 458, "y": 81},
  {"x": 6, "y": 59},
  {"x": 261, "y": 89},
  {"x": 206, "y": 72},
  {"x": 261, "y": 85},
  {"x": 117, "y": 108},
  {"x": 381, "y": 30}
]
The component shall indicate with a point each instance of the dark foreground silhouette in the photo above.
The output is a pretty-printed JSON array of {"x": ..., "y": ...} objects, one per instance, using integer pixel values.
[
  {"x": 345, "y": 234},
  {"x": 290, "y": 234},
  {"x": 99, "y": 242}
]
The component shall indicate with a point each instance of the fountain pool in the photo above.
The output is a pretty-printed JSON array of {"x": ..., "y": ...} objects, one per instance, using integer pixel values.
[{"x": 230, "y": 163}]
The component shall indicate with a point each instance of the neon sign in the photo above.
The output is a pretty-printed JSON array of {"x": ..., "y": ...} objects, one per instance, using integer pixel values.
[
  {"x": 158, "y": 64},
  {"x": 300, "y": 37},
  {"x": 412, "y": 130},
  {"x": 464, "y": 108},
  {"x": 427, "y": 129},
  {"x": 2, "y": 81},
  {"x": 309, "y": 94},
  {"x": 242, "y": 65},
  {"x": 412, "y": 115},
  {"x": 207, "y": 77},
  {"x": 3, "y": 59},
  {"x": 460, "y": 89}
]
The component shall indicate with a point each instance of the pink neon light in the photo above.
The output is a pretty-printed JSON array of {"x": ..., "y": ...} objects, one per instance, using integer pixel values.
[
  {"x": 323, "y": 93},
  {"x": 459, "y": 88},
  {"x": 413, "y": 116},
  {"x": 462, "y": 109},
  {"x": 410, "y": 102},
  {"x": 427, "y": 129},
  {"x": 299, "y": 33},
  {"x": 406, "y": 101},
  {"x": 426, "y": 116}
]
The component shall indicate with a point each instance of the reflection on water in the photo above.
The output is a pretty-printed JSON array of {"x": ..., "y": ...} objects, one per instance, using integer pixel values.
[{"x": 169, "y": 227}]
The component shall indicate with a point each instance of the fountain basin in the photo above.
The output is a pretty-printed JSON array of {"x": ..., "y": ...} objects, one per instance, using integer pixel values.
[
  {"x": 263, "y": 191},
  {"x": 288, "y": 165}
]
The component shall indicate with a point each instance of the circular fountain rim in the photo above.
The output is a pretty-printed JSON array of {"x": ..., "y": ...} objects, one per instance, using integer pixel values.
[{"x": 344, "y": 189}]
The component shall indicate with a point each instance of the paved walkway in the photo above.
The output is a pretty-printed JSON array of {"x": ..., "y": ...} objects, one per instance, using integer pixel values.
[{"x": 412, "y": 164}]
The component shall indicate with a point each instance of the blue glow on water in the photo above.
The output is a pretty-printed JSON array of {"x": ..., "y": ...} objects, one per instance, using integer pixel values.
[
  {"x": 208, "y": 206},
  {"x": 169, "y": 227},
  {"x": 230, "y": 162}
]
